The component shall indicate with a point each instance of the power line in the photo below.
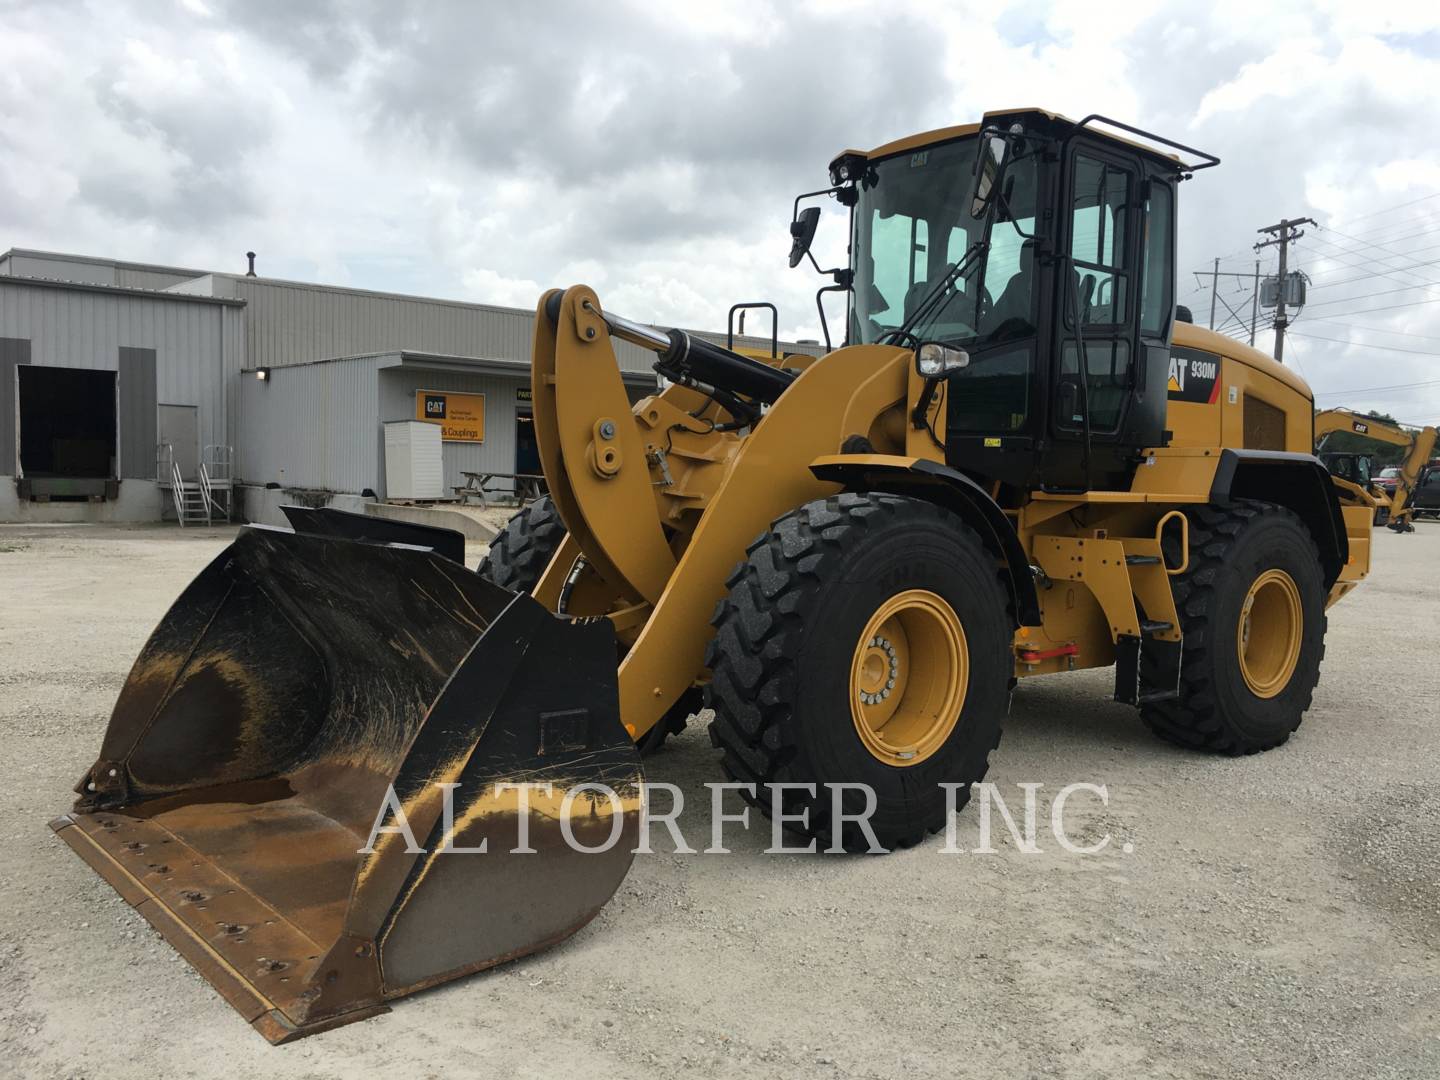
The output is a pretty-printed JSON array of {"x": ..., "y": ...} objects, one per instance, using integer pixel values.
[
  {"x": 1376, "y": 389},
  {"x": 1386, "y": 264},
  {"x": 1366, "y": 296},
  {"x": 1358, "y": 277},
  {"x": 1376, "y": 329},
  {"x": 1395, "y": 235},
  {"x": 1295, "y": 356},
  {"x": 1368, "y": 243},
  {"x": 1387, "y": 307},
  {"x": 1383, "y": 270},
  {"x": 1364, "y": 345},
  {"x": 1392, "y": 209}
]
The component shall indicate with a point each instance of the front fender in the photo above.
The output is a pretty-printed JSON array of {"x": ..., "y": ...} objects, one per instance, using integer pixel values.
[{"x": 929, "y": 480}]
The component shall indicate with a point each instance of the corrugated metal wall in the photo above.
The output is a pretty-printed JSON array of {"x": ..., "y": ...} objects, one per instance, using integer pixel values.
[
  {"x": 321, "y": 426},
  {"x": 196, "y": 344},
  {"x": 289, "y": 323},
  {"x": 312, "y": 426},
  {"x": 93, "y": 271},
  {"x": 496, "y": 453}
]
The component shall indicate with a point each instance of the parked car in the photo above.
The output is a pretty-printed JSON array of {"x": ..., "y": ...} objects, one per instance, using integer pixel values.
[
  {"x": 1426, "y": 498},
  {"x": 1388, "y": 479}
]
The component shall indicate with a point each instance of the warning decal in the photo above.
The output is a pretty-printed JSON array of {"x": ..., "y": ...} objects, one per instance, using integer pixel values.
[{"x": 1194, "y": 376}]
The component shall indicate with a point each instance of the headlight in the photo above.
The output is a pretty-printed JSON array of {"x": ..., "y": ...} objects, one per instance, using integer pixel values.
[
  {"x": 932, "y": 360},
  {"x": 846, "y": 169}
]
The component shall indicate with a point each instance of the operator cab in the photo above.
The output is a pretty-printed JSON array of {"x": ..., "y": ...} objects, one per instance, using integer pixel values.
[{"x": 1042, "y": 250}]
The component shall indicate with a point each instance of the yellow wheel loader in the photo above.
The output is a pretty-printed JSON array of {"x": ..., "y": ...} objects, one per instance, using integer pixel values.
[
  {"x": 1018, "y": 464},
  {"x": 1352, "y": 471}
]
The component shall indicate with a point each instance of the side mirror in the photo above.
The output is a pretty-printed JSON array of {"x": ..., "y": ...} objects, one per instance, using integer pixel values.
[
  {"x": 802, "y": 233},
  {"x": 988, "y": 165}
]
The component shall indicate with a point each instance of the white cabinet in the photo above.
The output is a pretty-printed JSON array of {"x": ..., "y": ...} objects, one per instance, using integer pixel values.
[{"x": 414, "y": 468}]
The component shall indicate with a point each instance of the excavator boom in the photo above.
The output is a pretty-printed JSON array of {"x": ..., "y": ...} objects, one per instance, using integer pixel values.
[{"x": 1419, "y": 445}]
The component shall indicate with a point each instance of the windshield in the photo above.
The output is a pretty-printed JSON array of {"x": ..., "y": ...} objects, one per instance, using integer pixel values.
[{"x": 912, "y": 225}]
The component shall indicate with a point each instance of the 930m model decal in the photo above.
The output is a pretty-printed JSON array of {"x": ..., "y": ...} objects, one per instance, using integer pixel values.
[{"x": 1194, "y": 376}]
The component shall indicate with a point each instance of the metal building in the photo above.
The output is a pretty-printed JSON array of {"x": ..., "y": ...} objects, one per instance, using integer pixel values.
[
  {"x": 92, "y": 378},
  {"x": 127, "y": 387}
]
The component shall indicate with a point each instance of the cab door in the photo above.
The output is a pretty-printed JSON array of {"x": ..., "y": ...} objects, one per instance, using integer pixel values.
[{"x": 1097, "y": 321}]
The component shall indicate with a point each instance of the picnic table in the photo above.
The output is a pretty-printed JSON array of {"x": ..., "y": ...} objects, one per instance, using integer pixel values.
[{"x": 527, "y": 487}]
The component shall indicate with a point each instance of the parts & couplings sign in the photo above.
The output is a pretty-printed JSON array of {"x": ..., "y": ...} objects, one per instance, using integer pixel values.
[{"x": 461, "y": 416}]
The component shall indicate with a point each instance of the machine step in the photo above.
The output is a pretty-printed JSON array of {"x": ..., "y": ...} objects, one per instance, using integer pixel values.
[
  {"x": 1142, "y": 560},
  {"x": 1154, "y": 626}
]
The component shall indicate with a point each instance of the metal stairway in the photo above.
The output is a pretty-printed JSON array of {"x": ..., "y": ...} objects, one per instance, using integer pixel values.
[
  {"x": 217, "y": 482},
  {"x": 208, "y": 497},
  {"x": 191, "y": 506}
]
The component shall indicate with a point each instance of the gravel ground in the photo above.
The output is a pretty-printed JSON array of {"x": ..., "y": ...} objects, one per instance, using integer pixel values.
[{"x": 1275, "y": 916}]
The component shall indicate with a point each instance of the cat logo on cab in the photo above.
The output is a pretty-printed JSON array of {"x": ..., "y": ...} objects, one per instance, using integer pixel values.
[{"x": 1194, "y": 376}]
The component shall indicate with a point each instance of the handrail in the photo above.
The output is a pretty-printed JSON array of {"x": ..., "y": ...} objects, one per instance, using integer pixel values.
[
  {"x": 177, "y": 490},
  {"x": 217, "y": 471},
  {"x": 219, "y": 460},
  {"x": 205, "y": 493}
]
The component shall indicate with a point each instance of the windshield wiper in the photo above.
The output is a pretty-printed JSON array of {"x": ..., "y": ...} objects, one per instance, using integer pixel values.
[{"x": 932, "y": 298}]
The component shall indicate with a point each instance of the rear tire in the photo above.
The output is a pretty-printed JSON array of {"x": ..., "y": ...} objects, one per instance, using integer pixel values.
[
  {"x": 518, "y": 557},
  {"x": 1245, "y": 680},
  {"x": 793, "y": 636},
  {"x": 524, "y": 547}
]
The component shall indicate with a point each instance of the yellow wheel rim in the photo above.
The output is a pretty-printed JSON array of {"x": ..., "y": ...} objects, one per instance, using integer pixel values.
[
  {"x": 1269, "y": 633},
  {"x": 909, "y": 677}
]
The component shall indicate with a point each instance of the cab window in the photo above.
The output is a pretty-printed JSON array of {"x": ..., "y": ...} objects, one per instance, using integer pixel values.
[
  {"x": 1155, "y": 304},
  {"x": 1098, "y": 243}
]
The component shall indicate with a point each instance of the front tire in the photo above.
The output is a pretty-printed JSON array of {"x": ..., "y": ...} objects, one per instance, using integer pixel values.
[
  {"x": 1252, "y": 614},
  {"x": 865, "y": 639}
]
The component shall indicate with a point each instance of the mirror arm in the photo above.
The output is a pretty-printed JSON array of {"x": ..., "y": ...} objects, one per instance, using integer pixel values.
[
  {"x": 820, "y": 307},
  {"x": 919, "y": 414}
]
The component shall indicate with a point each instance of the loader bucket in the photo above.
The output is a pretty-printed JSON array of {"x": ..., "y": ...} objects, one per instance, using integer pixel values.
[{"x": 306, "y": 689}]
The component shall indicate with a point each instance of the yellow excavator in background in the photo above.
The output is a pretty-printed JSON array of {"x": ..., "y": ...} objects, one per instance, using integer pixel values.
[
  {"x": 1018, "y": 464},
  {"x": 1392, "y": 509}
]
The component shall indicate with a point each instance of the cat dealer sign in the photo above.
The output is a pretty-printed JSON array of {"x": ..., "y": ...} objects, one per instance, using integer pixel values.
[{"x": 461, "y": 416}]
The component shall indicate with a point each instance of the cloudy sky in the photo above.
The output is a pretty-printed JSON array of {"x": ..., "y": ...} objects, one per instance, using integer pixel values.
[{"x": 485, "y": 151}]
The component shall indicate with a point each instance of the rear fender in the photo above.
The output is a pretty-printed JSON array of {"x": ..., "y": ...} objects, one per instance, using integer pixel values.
[
  {"x": 1298, "y": 482},
  {"x": 933, "y": 482}
]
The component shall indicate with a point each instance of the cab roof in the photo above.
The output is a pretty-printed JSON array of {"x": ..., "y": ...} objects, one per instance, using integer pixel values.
[{"x": 945, "y": 134}]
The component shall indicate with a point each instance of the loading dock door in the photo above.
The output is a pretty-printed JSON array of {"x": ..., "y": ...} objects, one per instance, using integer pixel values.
[
  {"x": 67, "y": 423},
  {"x": 180, "y": 427}
]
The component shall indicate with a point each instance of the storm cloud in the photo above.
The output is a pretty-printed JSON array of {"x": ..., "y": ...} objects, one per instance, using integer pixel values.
[{"x": 484, "y": 151}]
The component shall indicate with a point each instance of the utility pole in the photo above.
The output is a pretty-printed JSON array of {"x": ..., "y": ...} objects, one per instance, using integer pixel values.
[
  {"x": 1281, "y": 234},
  {"x": 1254, "y": 303},
  {"x": 1214, "y": 290}
]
